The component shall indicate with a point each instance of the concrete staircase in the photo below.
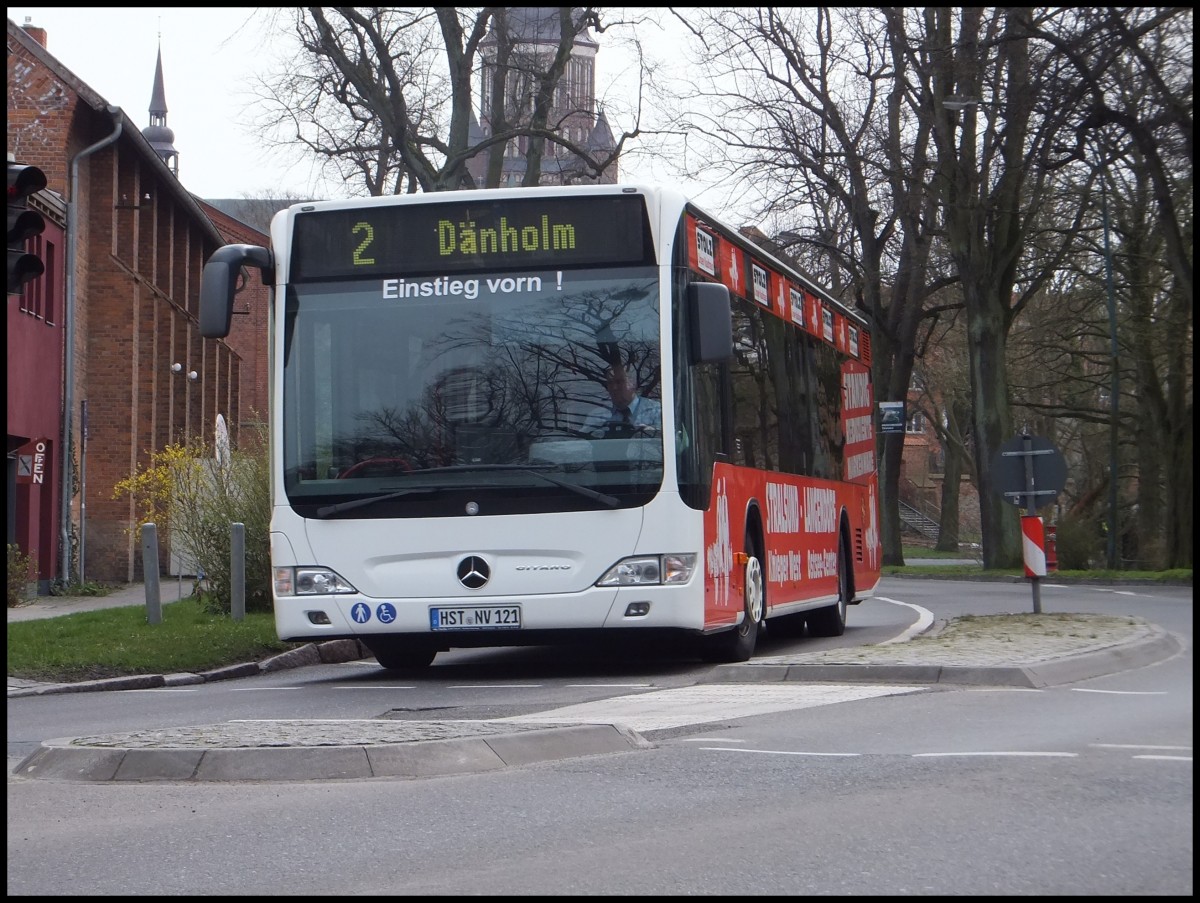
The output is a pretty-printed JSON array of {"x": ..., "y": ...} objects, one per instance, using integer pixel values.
[{"x": 913, "y": 520}]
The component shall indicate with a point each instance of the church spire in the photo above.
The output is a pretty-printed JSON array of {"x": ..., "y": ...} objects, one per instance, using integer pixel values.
[{"x": 161, "y": 138}]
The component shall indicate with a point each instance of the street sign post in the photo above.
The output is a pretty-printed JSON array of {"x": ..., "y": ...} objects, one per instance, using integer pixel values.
[
  {"x": 891, "y": 417},
  {"x": 1030, "y": 472}
]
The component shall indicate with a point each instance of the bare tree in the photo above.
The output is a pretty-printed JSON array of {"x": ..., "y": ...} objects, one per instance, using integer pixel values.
[
  {"x": 912, "y": 149},
  {"x": 942, "y": 396},
  {"x": 807, "y": 109},
  {"x": 386, "y": 96},
  {"x": 1117, "y": 336},
  {"x": 1133, "y": 152},
  {"x": 895, "y": 153}
]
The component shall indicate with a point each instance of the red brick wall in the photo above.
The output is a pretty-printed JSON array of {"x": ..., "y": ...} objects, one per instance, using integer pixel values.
[
  {"x": 137, "y": 278},
  {"x": 248, "y": 332}
]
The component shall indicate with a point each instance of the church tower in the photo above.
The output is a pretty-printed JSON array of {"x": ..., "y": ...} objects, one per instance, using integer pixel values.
[
  {"x": 161, "y": 138},
  {"x": 534, "y": 35}
]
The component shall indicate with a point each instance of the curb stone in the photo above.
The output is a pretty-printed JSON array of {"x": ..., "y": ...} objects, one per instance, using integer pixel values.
[
  {"x": 387, "y": 749},
  {"x": 329, "y": 652}
]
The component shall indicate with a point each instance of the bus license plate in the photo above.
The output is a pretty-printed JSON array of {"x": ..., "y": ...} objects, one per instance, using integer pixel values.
[{"x": 504, "y": 617}]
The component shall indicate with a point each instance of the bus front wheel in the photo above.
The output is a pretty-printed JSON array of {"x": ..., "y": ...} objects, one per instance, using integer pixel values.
[
  {"x": 737, "y": 645},
  {"x": 400, "y": 654}
]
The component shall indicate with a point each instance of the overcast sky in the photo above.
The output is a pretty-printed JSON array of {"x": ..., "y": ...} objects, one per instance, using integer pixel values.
[
  {"x": 207, "y": 57},
  {"x": 210, "y": 56}
]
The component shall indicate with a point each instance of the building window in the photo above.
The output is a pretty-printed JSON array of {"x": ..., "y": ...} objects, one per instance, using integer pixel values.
[
  {"x": 916, "y": 423},
  {"x": 37, "y": 295}
]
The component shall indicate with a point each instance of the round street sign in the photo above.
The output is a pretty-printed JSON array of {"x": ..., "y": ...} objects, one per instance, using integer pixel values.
[{"x": 1049, "y": 471}]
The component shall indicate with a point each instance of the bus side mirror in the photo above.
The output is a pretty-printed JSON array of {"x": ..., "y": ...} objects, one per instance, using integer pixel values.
[
  {"x": 219, "y": 283},
  {"x": 710, "y": 323}
]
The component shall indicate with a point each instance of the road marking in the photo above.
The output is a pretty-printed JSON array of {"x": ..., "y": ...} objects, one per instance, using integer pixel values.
[
  {"x": 495, "y": 687},
  {"x": 1137, "y": 746},
  {"x": 1018, "y": 753},
  {"x": 613, "y": 686},
  {"x": 312, "y": 721},
  {"x": 705, "y": 703},
  {"x": 707, "y": 739},
  {"x": 1121, "y": 692},
  {"x": 261, "y": 689},
  {"x": 947, "y": 755},
  {"x": 924, "y": 619},
  {"x": 778, "y": 752},
  {"x": 1167, "y": 758},
  {"x": 373, "y": 687},
  {"x": 188, "y": 689},
  {"x": 1001, "y": 690}
]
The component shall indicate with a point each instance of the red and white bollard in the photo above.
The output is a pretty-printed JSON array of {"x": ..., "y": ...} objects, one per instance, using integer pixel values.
[{"x": 1033, "y": 545}]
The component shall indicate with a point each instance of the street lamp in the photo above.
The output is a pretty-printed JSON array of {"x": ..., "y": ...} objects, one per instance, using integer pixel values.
[{"x": 958, "y": 104}]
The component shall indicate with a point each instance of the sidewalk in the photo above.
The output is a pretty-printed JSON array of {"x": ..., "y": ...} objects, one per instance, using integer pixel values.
[{"x": 169, "y": 591}]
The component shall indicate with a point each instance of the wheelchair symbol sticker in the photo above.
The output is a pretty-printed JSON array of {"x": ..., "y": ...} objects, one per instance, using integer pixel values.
[
  {"x": 386, "y": 613},
  {"x": 361, "y": 613}
]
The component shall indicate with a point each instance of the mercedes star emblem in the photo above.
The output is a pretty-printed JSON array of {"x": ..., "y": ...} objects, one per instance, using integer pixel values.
[{"x": 473, "y": 572}]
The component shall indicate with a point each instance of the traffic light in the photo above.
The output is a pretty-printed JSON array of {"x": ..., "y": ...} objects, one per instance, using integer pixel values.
[{"x": 23, "y": 224}]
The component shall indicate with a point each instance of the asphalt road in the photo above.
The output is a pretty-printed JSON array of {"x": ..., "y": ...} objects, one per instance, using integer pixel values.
[{"x": 1078, "y": 788}]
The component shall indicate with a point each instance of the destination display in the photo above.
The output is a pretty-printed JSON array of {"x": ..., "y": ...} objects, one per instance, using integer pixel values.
[{"x": 462, "y": 237}]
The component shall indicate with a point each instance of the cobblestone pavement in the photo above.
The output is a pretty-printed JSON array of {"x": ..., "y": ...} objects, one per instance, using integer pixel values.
[
  {"x": 991, "y": 640},
  {"x": 339, "y": 732},
  {"x": 1017, "y": 650}
]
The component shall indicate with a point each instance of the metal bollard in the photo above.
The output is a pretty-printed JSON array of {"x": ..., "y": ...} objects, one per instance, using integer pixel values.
[
  {"x": 237, "y": 571},
  {"x": 150, "y": 570}
]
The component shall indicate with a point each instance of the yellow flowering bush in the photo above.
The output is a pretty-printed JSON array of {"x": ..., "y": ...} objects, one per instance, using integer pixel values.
[
  {"x": 195, "y": 500},
  {"x": 152, "y": 489},
  {"x": 20, "y": 573}
]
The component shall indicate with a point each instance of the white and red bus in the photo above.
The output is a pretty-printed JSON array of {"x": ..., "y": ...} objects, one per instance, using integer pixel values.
[{"x": 449, "y": 467}]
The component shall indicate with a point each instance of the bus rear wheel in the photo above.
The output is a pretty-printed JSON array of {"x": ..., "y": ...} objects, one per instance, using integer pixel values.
[
  {"x": 401, "y": 654},
  {"x": 831, "y": 621},
  {"x": 737, "y": 645}
]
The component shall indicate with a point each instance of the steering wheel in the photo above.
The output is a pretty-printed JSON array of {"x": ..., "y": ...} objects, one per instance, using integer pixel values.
[{"x": 618, "y": 429}]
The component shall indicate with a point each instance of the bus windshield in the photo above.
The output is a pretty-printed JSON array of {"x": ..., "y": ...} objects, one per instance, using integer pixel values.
[{"x": 405, "y": 388}]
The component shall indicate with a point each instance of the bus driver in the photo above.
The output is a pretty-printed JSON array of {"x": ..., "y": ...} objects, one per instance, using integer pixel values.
[{"x": 631, "y": 414}]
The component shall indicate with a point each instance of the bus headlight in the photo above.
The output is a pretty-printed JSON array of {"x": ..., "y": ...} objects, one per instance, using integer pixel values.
[
  {"x": 650, "y": 570},
  {"x": 310, "y": 581}
]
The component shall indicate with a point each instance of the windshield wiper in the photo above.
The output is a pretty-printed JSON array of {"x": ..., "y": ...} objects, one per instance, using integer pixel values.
[
  {"x": 601, "y": 497},
  {"x": 327, "y": 510}
]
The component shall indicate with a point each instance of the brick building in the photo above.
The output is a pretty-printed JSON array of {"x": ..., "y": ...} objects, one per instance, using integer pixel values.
[
  {"x": 923, "y": 477},
  {"x": 124, "y": 248}
]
